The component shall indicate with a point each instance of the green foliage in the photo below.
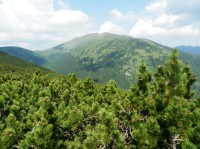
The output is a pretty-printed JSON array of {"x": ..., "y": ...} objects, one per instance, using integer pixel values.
[{"x": 45, "y": 110}]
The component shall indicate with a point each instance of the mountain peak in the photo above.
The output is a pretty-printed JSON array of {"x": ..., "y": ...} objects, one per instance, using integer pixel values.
[
  {"x": 104, "y": 56},
  {"x": 107, "y": 35}
]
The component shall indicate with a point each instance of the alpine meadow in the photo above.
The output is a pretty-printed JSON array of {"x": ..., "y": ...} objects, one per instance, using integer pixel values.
[{"x": 99, "y": 75}]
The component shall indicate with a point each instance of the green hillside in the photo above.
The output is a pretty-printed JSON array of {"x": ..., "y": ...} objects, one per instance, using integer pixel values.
[
  {"x": 10, "y": 61},
  {"x": 109, "y": 56},
  {"x": 24, "y": 54}
]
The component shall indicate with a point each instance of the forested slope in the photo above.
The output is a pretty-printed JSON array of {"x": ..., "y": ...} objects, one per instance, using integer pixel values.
[{"x": 39, "y": 110}]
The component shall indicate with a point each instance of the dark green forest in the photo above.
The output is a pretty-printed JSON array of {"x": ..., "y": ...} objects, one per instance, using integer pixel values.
[{"x": 44, "y": 110}]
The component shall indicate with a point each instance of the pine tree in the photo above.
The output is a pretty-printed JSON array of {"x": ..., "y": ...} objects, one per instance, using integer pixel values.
[
  {"x": 174, "y": 79},
  {"x": 40, "y": 110},
  {"x": 173, "y": 83},
  {"x": 189, "y": 80}
]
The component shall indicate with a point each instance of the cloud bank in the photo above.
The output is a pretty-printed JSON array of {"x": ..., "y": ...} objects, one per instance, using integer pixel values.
[
  {"x": 28, "y": 23},
  {"x": 111, "y": 28},
  {"x": 40, "y": 24},
  {"x": 167, "y": 22}
]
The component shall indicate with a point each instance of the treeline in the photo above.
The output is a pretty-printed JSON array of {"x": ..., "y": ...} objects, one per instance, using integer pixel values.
[{"x": 39, "y": 110}]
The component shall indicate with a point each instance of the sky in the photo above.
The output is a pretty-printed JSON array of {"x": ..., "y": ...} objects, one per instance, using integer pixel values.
[{"x": 42, "y": 24}]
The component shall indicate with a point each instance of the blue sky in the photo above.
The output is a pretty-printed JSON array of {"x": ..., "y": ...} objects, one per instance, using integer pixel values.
[
  {"x": 41, "y": 24},
  {"x": 100, "y": 8}
]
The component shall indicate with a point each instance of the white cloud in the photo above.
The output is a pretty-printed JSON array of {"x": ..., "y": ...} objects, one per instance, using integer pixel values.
[
  {"x": 168, "y": 20},
  {"x": 145, "y": 27},
  {"x": 36, "y": 21},
  {"x": 111, "y": 28},
  {"x": 183, "y": 6},
  {"x": 63, "y": 4},
  {"x": 68, "y": 17},
  {"x": 39, "y": 24},
  {"x": 116, "y": 14},
  {"x": 174, "y": 8},
  {"x": 187, "y": 30},
  {"x": 182, "y": 35},
  {"x": 157, "y": 6}
]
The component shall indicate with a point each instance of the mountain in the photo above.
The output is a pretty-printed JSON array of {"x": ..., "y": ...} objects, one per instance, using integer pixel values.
[
  {"x": 24, "y": 54},
  {"x": 190, "y": 49},
  {"x": 108, "y": 56},
  {"x": 11, "y": 61}
]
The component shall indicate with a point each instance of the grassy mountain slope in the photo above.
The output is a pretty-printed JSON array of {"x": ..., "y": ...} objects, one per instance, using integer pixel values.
[
  {"x": 190, "y": 49},
  {"x": 11, "y": 61},
  {"x": 24, "y": 54},
  {"x": 108, "y": 56}
]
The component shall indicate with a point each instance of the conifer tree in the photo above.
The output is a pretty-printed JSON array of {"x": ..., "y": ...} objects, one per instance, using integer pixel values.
[
  {"x": 189, "y": 80},
  {"x": 173, "y": 85},
  {"x": 174, "y": 78},
  {"x": 40, "y": 110}
]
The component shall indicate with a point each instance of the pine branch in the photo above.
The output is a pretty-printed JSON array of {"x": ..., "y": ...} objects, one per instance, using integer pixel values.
[{"x": 176, "y": 141}]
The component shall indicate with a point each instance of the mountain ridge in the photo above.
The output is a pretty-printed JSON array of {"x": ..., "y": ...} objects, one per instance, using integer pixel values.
[
  {"x": 7, "y": 60},
  {"x": 23, "y": 53},
  {"x": 108, "y": 56},
  {"x": 195, "y": 50}
]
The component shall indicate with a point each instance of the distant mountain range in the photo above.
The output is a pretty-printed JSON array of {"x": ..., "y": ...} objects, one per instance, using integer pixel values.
[
  {"x": 190, "y": 49},
  {"x": 103, "y": 57}
]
